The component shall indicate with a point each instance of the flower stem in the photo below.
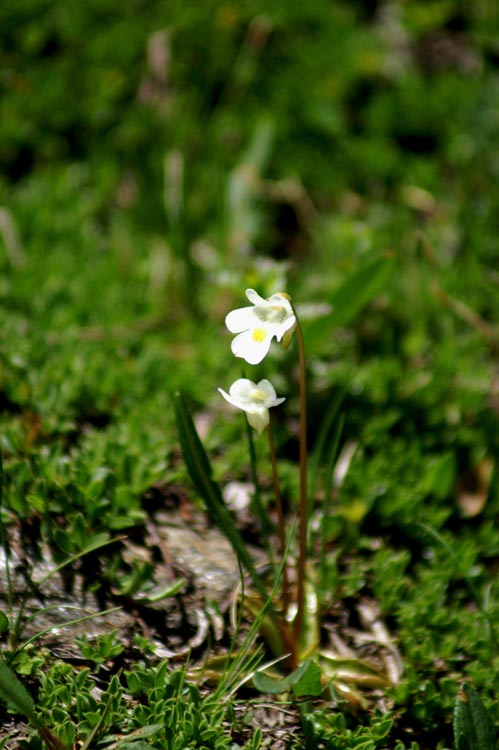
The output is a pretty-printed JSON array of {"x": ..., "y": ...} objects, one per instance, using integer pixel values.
[
  {"x": 303, "y": 508},
  {"x": 257, "y": 497},
  {"x": 281, "y": 528},
  {"x": 4, "y": 542}
]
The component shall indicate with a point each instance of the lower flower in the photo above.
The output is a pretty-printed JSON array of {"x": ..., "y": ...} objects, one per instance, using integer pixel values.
[{"x": 253, "y": 398}]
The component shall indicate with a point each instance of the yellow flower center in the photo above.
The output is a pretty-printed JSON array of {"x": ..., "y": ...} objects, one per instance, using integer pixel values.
[
  {"x": 258, "y": 395},
  {"x": 259, "y": 334}
]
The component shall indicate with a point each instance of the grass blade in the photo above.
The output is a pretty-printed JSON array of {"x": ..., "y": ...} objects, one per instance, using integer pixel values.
[
  {"x": 13, "y": 692},
  {"x": 1, "y": 477},
  {"x": 349, "y": 299},
  {"x": 472, "y": 727},
  {"x": 323, "y": 440},
  {"x": 199, "y": 468}
]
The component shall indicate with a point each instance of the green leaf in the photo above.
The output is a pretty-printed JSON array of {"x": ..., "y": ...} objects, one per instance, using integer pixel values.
[
  {"x": 352, "y": 670},
  {"x": 79, "y": 531},
  {"x": 348, "y": 300},
  {"x": 63, "y": 541},
  {"x": 1, "y": 477},
  {"x": 310, "y": 630},
  {"x": 440, "y": 475},
  {"x": 472, "y": 727},
  {"x": 266, "y": 684},
  {"x": 163, "y": 592},
  {"x": 309, "y": 683},
  {"x": 4, "y": 622},
  {"x": 328, "y": 434},
  {"x": 199, "y": 468},
  {"x": 304, "y": 681},
  {"x": 13, "y": 692}
]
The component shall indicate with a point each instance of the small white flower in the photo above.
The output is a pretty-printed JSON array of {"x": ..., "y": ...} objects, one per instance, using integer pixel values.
[
  {"x": 257, "y": 325},
  {"x": 255, "y": 399}
]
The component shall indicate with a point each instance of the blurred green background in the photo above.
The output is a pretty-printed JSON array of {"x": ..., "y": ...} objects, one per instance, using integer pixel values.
[{"x": 156, "y": 158}]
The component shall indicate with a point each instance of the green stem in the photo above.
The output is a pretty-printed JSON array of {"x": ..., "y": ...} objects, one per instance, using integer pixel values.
[
  {"x": 257, "y": 497},
  {"x": 281, "y": 526},
  {"x": 303, "y": 507},
  {"x": 4, "y": 541},
  {"x": 328, "y": 492},
  {"x": 265, "y": 525}
]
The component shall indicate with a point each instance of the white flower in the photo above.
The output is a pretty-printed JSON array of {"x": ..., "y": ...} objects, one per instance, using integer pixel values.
[
  {"x": 258, "y": 324},
  {"x": 255, "y": 399}
]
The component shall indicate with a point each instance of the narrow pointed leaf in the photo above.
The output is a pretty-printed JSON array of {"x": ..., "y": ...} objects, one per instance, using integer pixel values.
[
  {"x": 472, "y": 727},
  {"x": 354, "y": 671},
  {"x": 4, "y": 622},
  {"x": 348, "y": 300},
  {"x": 199, "y": 468},
  {"x": 325, "y": 436},
  {"x": 13, "y": 692},
  {"x": 310, "y": 630}
]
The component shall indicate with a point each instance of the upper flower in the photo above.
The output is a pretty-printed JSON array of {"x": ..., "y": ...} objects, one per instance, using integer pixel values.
[
  {"x": 258, "y": 324},
  {"x": 255, "y": 399}
]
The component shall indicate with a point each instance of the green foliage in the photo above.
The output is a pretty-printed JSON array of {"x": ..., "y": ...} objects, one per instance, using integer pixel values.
[
  {"x": 106, "y": 648},
  {"x": 13, "y": 692},
  {"x": 335, "y": 731},
  {"x": 472, "y": 726},
  {"x": 186, "y": 718},
  {"x": 201, "y": 474},
  {"x": 304, "y": 681},
  {"x": 350, "y": 298},
  {"x": 163, "y": 706}
]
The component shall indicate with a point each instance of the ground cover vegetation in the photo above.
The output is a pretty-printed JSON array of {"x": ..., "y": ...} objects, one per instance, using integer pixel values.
[{"x": 158, "y": 159}]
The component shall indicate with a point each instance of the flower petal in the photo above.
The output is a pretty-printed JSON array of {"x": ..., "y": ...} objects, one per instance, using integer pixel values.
[
  {"x": 241, "y": 389},
  {"x": 269, "y": 390},
  {"x": 251, "y": 349},
  {"x": 258, "y": 419},
  {"x": 229, "y": 398},
  {"x": 240, "y": 319},
  {"x": 253, "y": 398},
  {"x": 256, "y": 326},
  {"x": 280, "y": 329},
  {"x": 255, "y": 298},
  {"x": 271, "y": 396}
]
